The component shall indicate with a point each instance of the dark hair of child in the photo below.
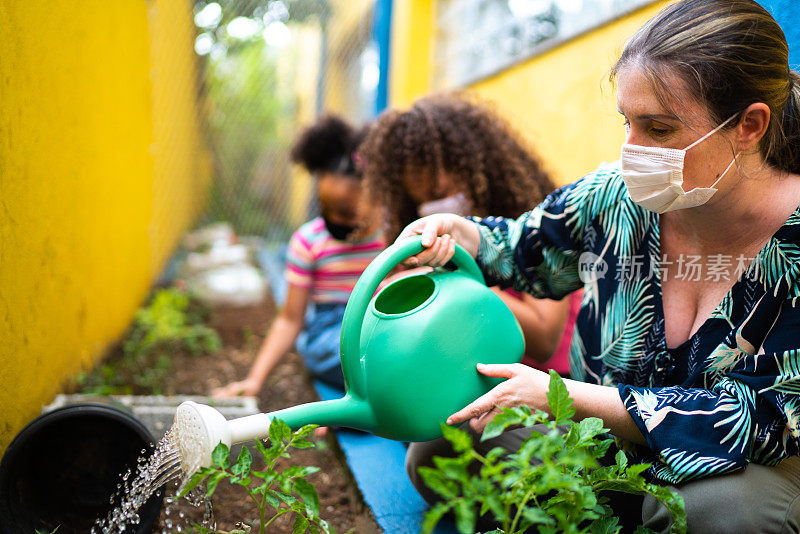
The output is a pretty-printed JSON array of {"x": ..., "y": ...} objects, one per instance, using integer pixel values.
[
  {"x": 329, "y": 145},
  {"x": 462, "y": 137}
]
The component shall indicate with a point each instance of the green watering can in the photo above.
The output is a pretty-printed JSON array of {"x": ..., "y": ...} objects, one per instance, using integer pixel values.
[{"x": 408, "y": 356}]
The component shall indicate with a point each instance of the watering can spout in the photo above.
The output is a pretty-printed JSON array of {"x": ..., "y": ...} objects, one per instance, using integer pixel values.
[
  {"x": 347, "y": 411},
  {"x": 199, "y": 428}
]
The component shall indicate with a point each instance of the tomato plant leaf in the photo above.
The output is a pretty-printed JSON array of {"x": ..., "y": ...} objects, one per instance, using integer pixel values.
[
  {"x": 196, "y": 479},
  {"x": 559, "y": 400},
  {"x": 243, "y": 462},
  {"x": 309, "y": 495},
  {"x": 279, "y": 431},
  {"x": 220, "y": 456},
  {"x": 300, "y": 525},
  {"x": 213, "y": 480}
]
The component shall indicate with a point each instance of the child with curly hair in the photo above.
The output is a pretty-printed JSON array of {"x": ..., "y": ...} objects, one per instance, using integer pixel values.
[
  {"x": 452, "y": 153},
  {"x": 324, "y": 260}
]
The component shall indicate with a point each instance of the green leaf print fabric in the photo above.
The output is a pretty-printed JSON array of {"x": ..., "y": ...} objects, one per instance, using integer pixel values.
[{"x": 729, "y": 395}]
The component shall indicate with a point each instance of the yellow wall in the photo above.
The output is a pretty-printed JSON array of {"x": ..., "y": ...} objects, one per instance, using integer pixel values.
[
  {"x": 101, "y": 169},
  {"x": 411, "y": 58},
  {"x": 560, "y": 101},
  {"x": 182, "y": 167}
]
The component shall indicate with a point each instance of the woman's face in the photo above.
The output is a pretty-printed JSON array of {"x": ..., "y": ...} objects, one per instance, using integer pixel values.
[{"x": 677, "y": 123}]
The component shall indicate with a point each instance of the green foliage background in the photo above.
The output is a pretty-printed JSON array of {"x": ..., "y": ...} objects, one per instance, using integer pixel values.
[{"x": 250, "y": 112}]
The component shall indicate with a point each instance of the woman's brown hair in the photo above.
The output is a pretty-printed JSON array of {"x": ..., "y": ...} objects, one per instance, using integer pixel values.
[
  {"x": 462, "y": 137},
  {"x": 730, "y": 54}
]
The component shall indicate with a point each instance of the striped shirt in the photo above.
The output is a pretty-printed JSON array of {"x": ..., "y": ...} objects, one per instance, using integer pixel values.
[{"x": 329, "y": 267}]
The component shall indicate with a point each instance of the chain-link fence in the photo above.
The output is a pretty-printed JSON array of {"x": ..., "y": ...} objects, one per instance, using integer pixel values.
[{"x": 268, "y": 68}]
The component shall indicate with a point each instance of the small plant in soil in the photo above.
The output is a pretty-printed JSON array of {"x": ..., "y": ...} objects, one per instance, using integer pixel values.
[
  {"x": 560, "y": 491},
  {"x": 274, "y": 492},
  {"x": 172, "y": 321}
]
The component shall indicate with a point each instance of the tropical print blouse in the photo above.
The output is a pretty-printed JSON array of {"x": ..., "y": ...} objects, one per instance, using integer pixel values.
[{"x": 729, "y": 395}]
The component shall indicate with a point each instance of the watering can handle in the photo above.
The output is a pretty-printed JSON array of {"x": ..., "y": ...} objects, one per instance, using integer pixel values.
[{"x": 368, "y": 283}]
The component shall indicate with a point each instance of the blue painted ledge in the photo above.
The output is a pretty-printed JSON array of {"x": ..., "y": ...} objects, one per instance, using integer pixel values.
[{"x": 378, "y": 467}]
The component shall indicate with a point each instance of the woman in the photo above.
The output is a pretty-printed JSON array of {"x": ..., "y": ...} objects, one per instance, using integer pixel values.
[
  {"x": 701, "y": 373},
  {"x": 452, "y": 153}
]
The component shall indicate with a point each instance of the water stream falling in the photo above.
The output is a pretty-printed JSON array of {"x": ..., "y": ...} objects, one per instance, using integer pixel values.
[{"x": 164, "y": 465}]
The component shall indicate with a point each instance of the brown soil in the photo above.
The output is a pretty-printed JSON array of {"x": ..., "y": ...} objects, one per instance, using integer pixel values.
[{"x": 242, "y": 331}]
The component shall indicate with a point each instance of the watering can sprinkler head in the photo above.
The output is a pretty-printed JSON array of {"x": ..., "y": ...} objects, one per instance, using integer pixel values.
[{"x": 199, "y": 428}]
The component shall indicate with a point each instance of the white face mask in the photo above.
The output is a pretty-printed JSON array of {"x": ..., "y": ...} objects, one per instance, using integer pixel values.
[
  {"x": 654, "y": 176},
  {"x": 457, "y": 204}
]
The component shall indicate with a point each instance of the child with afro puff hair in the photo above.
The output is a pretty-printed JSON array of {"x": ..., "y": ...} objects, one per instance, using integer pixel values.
[{"x": 325, "y": 257}]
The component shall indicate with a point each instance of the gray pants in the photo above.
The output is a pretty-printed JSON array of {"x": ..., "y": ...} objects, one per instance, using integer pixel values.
[{"x": 759, "y": 499}]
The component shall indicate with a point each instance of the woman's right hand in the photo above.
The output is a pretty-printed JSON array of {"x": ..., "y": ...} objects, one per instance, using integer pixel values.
[
  {"x": 440, "y": 233},
  {"x": 248, "y": 387}
]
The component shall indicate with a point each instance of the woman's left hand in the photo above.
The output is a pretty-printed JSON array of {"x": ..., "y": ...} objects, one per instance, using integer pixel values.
[{"x": 525, "y": 385}]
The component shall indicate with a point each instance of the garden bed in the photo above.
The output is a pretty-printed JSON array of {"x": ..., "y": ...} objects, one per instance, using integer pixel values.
[{"x": 241, "y": 330}]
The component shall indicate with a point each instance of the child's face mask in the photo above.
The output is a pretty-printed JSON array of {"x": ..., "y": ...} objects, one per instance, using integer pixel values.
[
  {"x": 457, "y": 204},
  {"x": 654, "y": 176},
  {"x": 338, "y": 231}
]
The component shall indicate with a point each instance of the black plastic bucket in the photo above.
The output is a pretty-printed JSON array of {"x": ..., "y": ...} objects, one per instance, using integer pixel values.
[{"x": 63, "y": 468}]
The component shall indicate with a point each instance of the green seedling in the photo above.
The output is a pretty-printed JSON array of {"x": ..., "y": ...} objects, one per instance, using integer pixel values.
[
  {"x": 561, "y": 490},
  {"x": 273, "y": 491},
  {"x": 173, "y": 321}
]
